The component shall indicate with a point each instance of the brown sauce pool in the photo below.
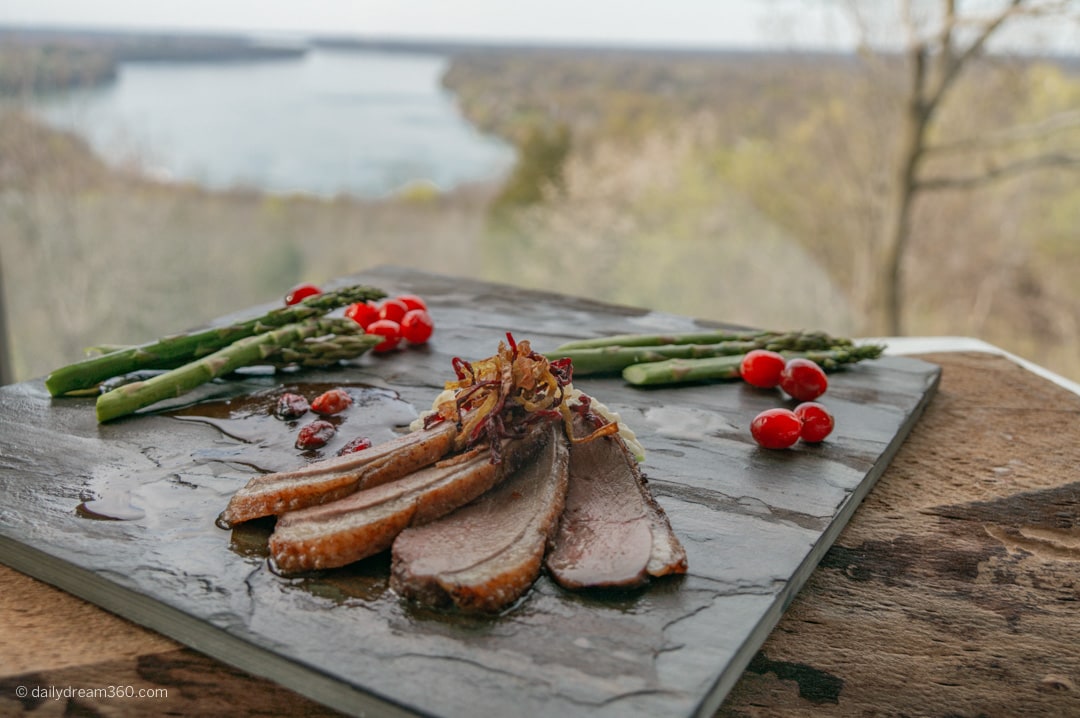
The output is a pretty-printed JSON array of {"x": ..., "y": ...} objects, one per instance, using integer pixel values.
[
  {"x": 251, "y": 437},
  {"x": 262, "y": 441},
  {"x": 255, "y": 437}
]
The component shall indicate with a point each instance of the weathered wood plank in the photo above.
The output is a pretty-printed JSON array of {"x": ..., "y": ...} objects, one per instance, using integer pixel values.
[{"x": 955, "y": 590}]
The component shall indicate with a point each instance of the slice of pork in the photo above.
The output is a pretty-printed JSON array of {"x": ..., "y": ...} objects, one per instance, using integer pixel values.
[
  {"x": 485, "y": 555},
  {"x": 331, "y": 479},
  {"x": 612, "y": 532},
  {"x": 367, "y": 521}
]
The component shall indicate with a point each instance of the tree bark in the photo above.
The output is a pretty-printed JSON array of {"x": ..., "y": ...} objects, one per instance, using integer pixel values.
[
  {"x": 935, "y": 62},
  {"x": 896, "y": 233}
]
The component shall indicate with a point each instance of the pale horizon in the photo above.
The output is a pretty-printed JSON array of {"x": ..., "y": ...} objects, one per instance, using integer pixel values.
[
  {"x": 814, "y": 25},
  {"x": 679, "y": 23}
]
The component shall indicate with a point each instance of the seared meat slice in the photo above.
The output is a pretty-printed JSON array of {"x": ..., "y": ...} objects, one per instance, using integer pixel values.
[
  {"x": 485, "y": 555},
  {"x": 332, "y": 479},
  {"x": 368, "y": 521},
  {"x": 612, "y": 532}
]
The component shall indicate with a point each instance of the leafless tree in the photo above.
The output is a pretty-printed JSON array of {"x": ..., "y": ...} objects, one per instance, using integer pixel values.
[{"x": 941, "y": 40}]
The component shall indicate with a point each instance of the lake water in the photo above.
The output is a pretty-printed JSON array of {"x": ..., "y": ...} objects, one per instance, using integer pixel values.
[{"x": 360, "y": 123}]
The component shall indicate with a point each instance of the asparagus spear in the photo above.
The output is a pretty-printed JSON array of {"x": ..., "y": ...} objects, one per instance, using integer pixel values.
[
  {"x": 615, "y": 358},
  {"x": 713, "y": 336},
  {"x": 182, "y": 347},
  {"x": 347, "y": 342},
  {"x": 325, "y": 351},
  {"x": 681, "y": 371},
  {"x": 243, "y": 352}
]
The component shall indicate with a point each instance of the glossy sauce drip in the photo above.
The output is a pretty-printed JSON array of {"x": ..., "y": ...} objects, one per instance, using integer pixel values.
[
  {"x": 110, "y": 507},
  {"x": 365, "y": 580},
  {"x": 254, "y": 437},
  {"x": 252, "y": 440}
]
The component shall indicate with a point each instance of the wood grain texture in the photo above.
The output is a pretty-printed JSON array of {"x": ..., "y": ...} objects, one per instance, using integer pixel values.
[{"x": 955, "y": 589}]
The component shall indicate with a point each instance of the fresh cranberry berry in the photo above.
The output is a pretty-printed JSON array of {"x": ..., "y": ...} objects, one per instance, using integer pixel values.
[
  {"x": 363, "y": 313},
  {"x": 776, "y": 428},
  {"x": 762, "y": 368},
  {"x": 330, "y": 402},
  {"x": 301, "y": 292},
  {"x": 389, "y": 330},
  {"x": 411, "y": 301},
  {"x": 803, "y": 380},
  {"x": 315, "y": 435},
  {"x": 817, "y": 422},
  {"x": 393, "y": 310},
  {"x": 417, "y": 326}
]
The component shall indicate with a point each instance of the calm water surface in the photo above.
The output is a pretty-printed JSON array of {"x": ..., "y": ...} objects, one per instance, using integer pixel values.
[{"x": 361, "y": 123}]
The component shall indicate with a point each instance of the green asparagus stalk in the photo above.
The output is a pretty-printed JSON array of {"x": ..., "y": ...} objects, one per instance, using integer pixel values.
[
  {"x": 243, "y": 352},
  {"x": 714, "y": 336},
  {"x": 183, "y": 347},
  {"x": 614, "y": 358},
  {"x": 100, "y": 349},
  {"x": 347, "y": 342},
  {"x": 837, "y": 357},
  {"x": 315, "y": 353},
  {"x": 682, "y": 371},
  {"x": 325, "y": 351}
]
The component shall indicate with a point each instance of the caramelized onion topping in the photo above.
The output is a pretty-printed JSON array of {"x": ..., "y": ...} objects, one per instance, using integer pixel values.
[{"x": 498, "y": 397}]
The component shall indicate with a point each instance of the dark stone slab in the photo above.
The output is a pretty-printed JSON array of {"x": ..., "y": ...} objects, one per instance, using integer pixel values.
[{"x": 754, "y": 522}]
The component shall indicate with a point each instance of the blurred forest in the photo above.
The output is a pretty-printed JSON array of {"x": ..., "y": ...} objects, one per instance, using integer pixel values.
[{"x": 742, "y": 187}]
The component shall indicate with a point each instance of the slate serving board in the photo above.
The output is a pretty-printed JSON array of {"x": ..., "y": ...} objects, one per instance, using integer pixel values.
[{"x": 754, "y": 523}]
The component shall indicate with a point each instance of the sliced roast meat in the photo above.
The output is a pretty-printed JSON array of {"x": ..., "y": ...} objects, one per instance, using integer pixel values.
[
  {"x": 367, "y": 521},
  {"x": 486, "y": 554},
  {"x": 612, "y": 532},
  {"x": 331, "y": 479}
]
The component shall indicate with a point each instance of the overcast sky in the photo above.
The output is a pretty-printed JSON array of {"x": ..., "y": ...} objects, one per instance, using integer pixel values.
[
  {"x": 780, "y": 24},
  {"x": 739, "y": 23}
]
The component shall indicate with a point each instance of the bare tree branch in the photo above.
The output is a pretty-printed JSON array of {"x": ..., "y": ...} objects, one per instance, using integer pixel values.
[
  {"x": 943, "y": 39},
  {"x": 948, "y": 26},
  {"x": 1061, "y": 122},
  {"x": 1035, "y": 9},
  {"x": 863, "y": 49},
  {"x": 992, "y": 174},
  {"x": 952, "y": 63},
  {"x": 910, "y": 26}
]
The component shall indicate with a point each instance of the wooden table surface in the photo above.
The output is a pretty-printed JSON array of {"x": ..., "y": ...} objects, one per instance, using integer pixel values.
[{"x": 954, "y": 591}]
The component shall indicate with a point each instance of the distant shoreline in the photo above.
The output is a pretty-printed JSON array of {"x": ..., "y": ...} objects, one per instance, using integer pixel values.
[
  {"x": 41, "y": 59},
  {"x": 66, "y": 57},
  {"x": 131, "y": 43},
  {"x": 178, "y": 46}
]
